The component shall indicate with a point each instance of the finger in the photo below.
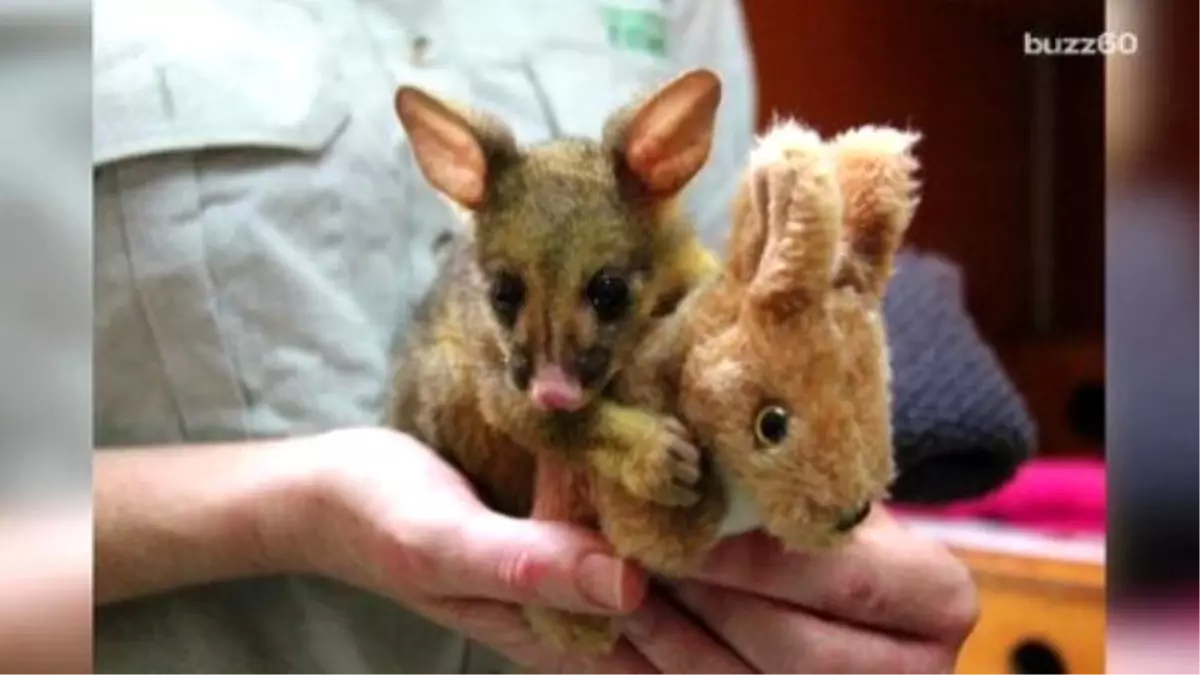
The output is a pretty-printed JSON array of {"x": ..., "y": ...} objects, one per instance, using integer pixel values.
[
  {"x": 531, "y": 562},
  {"x": 502, "y": 627},
  {"x": 775, "y": 638},
  {"x": 675, "y": 643},
  {"x": 885, "y": 576}
]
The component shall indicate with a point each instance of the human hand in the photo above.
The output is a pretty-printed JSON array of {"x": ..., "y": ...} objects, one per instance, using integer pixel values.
[
  {"x": 378, "y": 510},
  {"x": 887, "y": 602}
]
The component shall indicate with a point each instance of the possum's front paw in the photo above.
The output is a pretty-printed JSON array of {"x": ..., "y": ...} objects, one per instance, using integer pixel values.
[{"x": 665, "y": 467}]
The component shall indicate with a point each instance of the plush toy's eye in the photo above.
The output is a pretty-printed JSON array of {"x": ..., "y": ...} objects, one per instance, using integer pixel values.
[{"x": 771, "y": 427}]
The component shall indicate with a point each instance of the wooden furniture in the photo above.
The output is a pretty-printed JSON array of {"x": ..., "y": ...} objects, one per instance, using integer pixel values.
[
  {"x": 1013, "y": 162},
  {"x": 1042, "y": 599},
  {"x": 1037, "y": 616}
]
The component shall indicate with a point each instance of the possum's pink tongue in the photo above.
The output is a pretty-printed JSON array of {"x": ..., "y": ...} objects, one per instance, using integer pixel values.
[{"x": 552, "y": 389}]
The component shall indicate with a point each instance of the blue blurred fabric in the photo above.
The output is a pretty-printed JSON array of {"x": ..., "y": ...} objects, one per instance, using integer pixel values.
[{"x": 961, "y": 428}]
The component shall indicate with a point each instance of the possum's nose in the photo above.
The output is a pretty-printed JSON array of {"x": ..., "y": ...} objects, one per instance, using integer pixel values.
[
  {"x": 854, "y": 518},
  {"x": 553, "y": 389}
]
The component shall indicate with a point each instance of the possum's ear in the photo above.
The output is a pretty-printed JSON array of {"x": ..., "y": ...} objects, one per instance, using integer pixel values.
[
  {"x": 661, "y": 143},
  {"x": 456, "y": 151}
]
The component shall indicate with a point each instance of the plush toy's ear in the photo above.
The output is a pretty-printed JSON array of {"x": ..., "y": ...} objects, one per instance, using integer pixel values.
[
  {"x": 877, "y": 173},
  {"x": 456, "y": 151},
  {"x": 748, "y": 235},
  {"x": 794, "y": 194},
  {"x": 663, "y": 142}
]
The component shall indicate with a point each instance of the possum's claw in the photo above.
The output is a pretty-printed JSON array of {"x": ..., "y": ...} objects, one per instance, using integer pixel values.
[
  {"x": 685, "y": 457},
  {"x": 665, "y": 468}
]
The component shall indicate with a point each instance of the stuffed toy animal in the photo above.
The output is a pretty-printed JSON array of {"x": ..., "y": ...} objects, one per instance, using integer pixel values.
[{"x": 777, "y": 366}]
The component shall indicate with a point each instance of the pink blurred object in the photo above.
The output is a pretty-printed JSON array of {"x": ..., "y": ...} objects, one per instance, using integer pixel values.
[{"x": 1063, "y": 495}]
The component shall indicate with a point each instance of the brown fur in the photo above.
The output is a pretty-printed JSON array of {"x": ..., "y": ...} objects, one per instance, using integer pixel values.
[
  {"x": 553, "y": 216},
  {"x": 795, "y": 321}
]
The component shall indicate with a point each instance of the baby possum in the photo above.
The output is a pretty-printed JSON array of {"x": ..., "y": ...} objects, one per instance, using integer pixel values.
[{"x": 572, "y": 250}]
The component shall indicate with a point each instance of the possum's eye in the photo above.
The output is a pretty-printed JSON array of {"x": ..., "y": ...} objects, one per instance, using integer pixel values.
[
  {"x": 507, "y": 296},
  {"x": 609, "y": 295},
  {"x": 771, "y": 427}
]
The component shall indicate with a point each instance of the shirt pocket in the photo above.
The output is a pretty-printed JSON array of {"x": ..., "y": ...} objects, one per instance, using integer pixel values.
[
  {"x": 148, "y": 107},
  {"x": 164, "y": 86},
  {"x": 173, "y": 281}
]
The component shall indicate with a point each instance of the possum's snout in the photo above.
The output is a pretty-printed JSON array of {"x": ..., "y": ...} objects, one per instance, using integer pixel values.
[
  {"x": 555, "y": 387},
  {"x": 552, "y": 388}
]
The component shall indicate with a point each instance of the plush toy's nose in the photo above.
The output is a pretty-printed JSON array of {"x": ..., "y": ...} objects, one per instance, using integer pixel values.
[{"x": 852, "y": 519}]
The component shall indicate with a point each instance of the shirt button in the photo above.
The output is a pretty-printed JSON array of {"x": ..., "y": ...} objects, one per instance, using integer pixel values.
[{"x": 420, "y": 50}]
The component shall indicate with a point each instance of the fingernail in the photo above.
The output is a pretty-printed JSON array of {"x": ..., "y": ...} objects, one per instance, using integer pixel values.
[{"x": 601, "y": 579}]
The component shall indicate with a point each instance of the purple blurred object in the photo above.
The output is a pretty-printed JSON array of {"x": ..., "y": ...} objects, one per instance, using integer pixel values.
[{"x": 961, "y": 427}]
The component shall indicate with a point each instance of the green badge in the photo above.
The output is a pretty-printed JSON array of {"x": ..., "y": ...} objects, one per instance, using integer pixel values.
[{"x": 637, "y": 30}]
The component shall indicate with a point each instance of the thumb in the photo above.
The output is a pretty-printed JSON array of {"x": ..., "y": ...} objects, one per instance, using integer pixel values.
[{"x": 531, "y": 562}]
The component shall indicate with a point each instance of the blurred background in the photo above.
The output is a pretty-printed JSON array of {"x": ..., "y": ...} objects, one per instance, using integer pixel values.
[
  {"x": 1152, "y": 297},
  {"x": 45, "y": 336}
]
